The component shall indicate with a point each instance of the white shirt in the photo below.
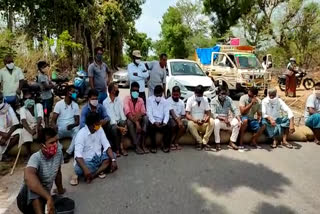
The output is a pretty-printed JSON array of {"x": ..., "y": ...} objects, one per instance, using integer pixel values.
[
  {"x": 10, "y": 82},
  {"x": 142, "y": 72},
  {"x": 114, "y": 109},
  {"x": 31, "y": 120},
  {"x": 66, "y": 113},
  {"x": 11, "y": 117},
  {"x": 158, "y": 112},
  {"x": 87, "y": 145},
  {"x": 312, "y": 102},
  {"x": 197, "y": 111},
  {"x": 275, "y": 110},
  {"x": 177, "y": 107}
]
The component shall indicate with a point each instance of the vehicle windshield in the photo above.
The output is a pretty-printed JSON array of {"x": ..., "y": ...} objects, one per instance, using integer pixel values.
[
  {"x": 248, "y": 61},
  {"x": 186, "y": 69}
]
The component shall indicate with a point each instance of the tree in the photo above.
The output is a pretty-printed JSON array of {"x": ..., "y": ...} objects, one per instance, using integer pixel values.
[
  {"x": 138, "y": 41},
  {"x": 173, "y": 35}
]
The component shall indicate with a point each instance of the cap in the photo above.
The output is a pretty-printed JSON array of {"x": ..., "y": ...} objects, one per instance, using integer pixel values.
[{"x": 136, "y": 53}]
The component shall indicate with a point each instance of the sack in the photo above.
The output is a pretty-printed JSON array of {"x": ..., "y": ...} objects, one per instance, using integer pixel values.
[{"x": 289, "y": 73}]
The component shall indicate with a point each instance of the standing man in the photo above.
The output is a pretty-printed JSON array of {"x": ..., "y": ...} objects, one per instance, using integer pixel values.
[
  {"x": 43, "y": 169},
  {"x": 177, "y": 123},
  {"x": 158, "y": 115},
  {"x": 158, "y": 73},
  {"x": 66, "y": 119},
  {"x": 99, "y": 75},
  {"x": 198, "y": 113},
  {"x": 93, "y": 153},
  {"x": 11, "y": 80},
  {"x": 46, "y": 86},
  {"x": 276, "y": 124},
  {"x": 138, "y": 72},
  {"x": 117, "y": 127},
  {"x": 221, "y": 107},
  {"x": 312, "y": 113},
  {"x": 94, "y": 106},
  {"x": 250, "y": 105},
  {"x": 135, "y": 111}
]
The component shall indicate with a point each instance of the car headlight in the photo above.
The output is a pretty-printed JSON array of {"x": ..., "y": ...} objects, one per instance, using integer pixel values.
[
  {"x": 245, "y": 76},
  {"x": 182, "y": 87}
]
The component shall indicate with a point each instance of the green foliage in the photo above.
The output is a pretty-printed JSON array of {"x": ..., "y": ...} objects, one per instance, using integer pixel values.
[
  {"x": 138, "y": 41},
  {"x": 7, "y": 43}
]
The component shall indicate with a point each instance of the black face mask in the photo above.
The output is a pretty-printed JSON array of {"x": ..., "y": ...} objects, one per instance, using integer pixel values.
[
  {"x": 176, "y": 99},
  {"x": 117, "y": 93}
]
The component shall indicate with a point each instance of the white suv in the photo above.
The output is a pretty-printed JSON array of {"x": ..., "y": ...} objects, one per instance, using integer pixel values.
[{"x": 187, "y": 75}]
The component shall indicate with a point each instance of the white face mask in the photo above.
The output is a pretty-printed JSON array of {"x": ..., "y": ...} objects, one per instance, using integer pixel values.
[
  {"x": 94, "y": 102},
  {"x": 10, "y": 66},
  {"x": 158, "y": 99},
  {"x": 138, "y": 61},
  {"x": 273, "y": 101},
  {"x": 198, "y": 99}
]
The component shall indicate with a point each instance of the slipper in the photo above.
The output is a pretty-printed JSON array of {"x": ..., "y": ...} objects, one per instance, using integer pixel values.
[
  {"x": 178, "y": 147},
  {"x": 124, "y": 152},
  {"x": 273, "y": 145},
  {"x": 199, "y": 147},
  {"x": 218, "y": 147},
  {"x": 102, "y": 175},
  {"x": 208, "y": 148},
  {"x": 165, "y": 149},
  {"x": 173, "y": 147},
  {"x": 139, "y": 151},
  {"x": 233, "y": 146},
  {"x": 154, "y": 150},
  {"x": 74, "y": 180},
  {"x": 288, "y": 145}
]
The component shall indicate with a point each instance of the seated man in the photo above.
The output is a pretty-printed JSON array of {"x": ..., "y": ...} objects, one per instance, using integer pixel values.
[
  {"x": 43, "y": 168},
  {"x": 31, "y": 117},
  {"x": 118, "y": 121},
  {"x": 135, "y": 111},
  {"x": 158, "y": 115},
  {"x": 94, "y": 106},
  {"x": 93, "y": 153},
  {"x": 199, "y": 118},
  {"x": 65, "y": 119},
  {"x": 221, "y": 105},
  {"x": 9, "y": 128},
  {"x": 177, "y": 123},
  {"x": 250, "y": 105},
  {"x": 276, "y": 125},
  {"x": 312, "y": 113}
]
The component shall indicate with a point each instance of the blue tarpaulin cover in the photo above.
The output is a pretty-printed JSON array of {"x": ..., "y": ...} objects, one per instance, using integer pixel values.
[{"x": 204, "y": 54}]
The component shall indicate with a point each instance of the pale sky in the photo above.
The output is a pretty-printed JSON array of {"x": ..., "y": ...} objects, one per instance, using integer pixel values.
[{"x": 152, "y": 12}]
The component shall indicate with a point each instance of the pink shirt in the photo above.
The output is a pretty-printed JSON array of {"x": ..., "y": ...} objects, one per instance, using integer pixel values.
[{"x": 130, "y": 108}]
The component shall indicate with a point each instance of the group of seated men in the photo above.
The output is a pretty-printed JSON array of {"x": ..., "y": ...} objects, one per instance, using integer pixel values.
[{"x": 97, "y": 132}]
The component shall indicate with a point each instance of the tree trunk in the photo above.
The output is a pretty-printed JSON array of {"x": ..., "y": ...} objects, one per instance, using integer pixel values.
[{"x": 10, "y": 21}]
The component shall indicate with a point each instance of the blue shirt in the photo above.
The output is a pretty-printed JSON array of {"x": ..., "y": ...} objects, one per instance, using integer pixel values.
[{"x": 101, "y": 110}]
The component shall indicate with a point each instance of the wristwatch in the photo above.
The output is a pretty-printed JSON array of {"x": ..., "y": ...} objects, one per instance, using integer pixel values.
[{"x": 113, "y": 160}]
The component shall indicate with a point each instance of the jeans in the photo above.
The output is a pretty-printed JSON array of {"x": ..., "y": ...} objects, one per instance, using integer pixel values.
[
  {"x": 93, "y": 164},
  {"x": 11, "y": 100},
  {"x": 64, "y": 133},
  {"x": 165, "y": 130},
  {"x": 102, "y": 96},
  {"x": 114, "y": 135},
  {"x": 133, "y": 132}
]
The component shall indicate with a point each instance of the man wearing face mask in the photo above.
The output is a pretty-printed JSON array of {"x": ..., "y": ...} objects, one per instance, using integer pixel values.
[
  {"x": 66, "y": 119},
  {"x": 277, "y": 125},
  {"x": 117, "y": 127},
  {"x": 135, "y": 111},
  {"x": 198, "y": 113},
  {"x": 46, "y": 86},
  {"x": 11, "y": 80},
  {"x": 158, "y": 73},
  {"x": 158, "y": 114},
  {"x": 93, "y": 105},
  {"x": 93, "y": 153},
  {"x": 312, "y": 113},
  {"x": 9, "y": 128},
  {"x": 31, "y": 117},
  {"x": 99, "y": 75},
  {"x": 138, "y": 72},
  {"x": 221, "y": 106},
  {"x": 177, "y": 123},
  {"x": 43, "y": 169}
]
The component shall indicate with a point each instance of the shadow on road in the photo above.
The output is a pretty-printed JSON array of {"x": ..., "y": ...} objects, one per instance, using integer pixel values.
[{"x": 266, "y": 208}]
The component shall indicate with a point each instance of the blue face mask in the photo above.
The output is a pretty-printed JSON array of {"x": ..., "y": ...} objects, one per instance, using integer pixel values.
[
  {"x": 99, "y": 57},
  {"x": 135, "y": 95},
  {"x": 74, "y": 96}
]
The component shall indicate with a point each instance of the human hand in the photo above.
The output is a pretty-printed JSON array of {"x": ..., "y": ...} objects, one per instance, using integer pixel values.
[
  {"x": 34, "y": 131},
  {"x": 273, "y": 123},
  {"x": 227, "y": 122},
  {"x": 114, "y": 166},
  {"x": 50, "y": 206},
  {"x": 157, "y": 124},
  {"x": 87, "y": 175},
  {"x": 254, "y": 100},
  {"x": 180, "y": 124},
  {"x": 200, "y": 122}
]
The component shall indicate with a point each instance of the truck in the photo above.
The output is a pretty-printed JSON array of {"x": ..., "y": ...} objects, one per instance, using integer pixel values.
[{"x": 235, "y": 67}]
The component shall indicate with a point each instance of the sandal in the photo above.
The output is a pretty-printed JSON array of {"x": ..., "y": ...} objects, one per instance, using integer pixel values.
[
  {"x": 118, "y": 154},
  {"x": 178, "y": 147},
  {"x": 139, "y": 151},
  {"x": 74, "y": 180},
  {"x": 208, "y": 148},
  {"x": 288, "y": 145},
  {"x": 102, "y": 175},
  {"x": 153, "y": 150},
  {"x": 274, "y": 144},
  {"x": 199, "y": 147},
  {"x": 233, "y": 146},
  {"x": 124, "y": 152},
  {"x": 218, "y": 147},
  {"x": 166, "y": 149},
  {"x": 173, "y": 147}
]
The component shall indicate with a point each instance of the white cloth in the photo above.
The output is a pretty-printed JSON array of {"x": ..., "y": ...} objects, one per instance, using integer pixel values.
[
  {"x": 87, "y": 145},
  {"x": 312, "y": 102},
  {"x": 275, "y": 110},
  {"x": 158, "y": 112},
  {"x": 10, "y": 82},
  {"x": 31, "y": 120},
  {"x": 142, "y": 73},
  {"x": 177, "y": 107},
  {"x": 114, "y": 109},
  {"x": 220, "y": 125},
  {"x": 197, "y": 111},
  {"x": 66, "y": 113}
]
